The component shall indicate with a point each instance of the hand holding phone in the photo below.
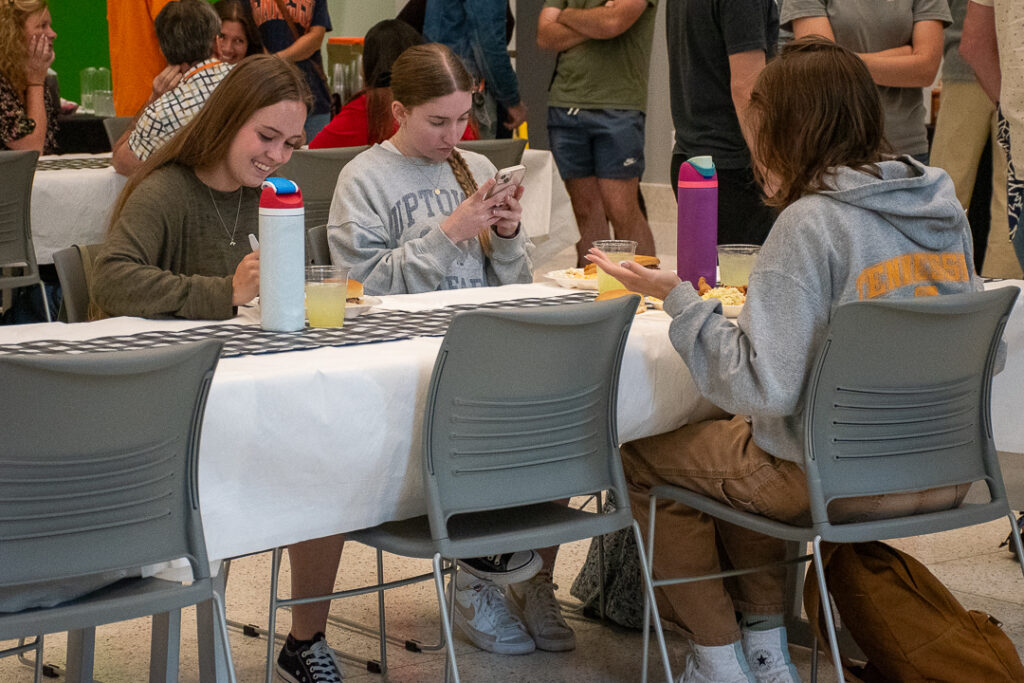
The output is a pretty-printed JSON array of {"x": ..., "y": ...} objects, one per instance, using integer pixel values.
[{"x": 506, "y": 178}]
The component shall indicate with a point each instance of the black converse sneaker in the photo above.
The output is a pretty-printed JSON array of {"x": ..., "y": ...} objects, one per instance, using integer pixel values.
[
  {"x": 504, "y": 569},
  {"x": 308, "y": 661}
]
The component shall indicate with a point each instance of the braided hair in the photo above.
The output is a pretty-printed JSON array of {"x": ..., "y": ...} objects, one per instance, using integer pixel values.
[{"x": 426, "y": 72}]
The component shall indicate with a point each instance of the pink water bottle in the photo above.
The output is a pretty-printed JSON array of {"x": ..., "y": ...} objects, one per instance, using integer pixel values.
[{"x": 697, "y": 229}]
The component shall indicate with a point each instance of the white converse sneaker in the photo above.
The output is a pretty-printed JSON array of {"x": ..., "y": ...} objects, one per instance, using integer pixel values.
[
  {"x": 767, "y": 654},
  {"x": 716, "y": 664},
  {"x": 535, "y": 600},
  {"x": 483, "y": 617}
]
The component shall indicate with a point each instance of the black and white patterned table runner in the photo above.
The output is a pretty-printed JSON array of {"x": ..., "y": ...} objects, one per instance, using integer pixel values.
[
  {"x": 244, "y": 340},
  {"x": 72, "y": 164}
]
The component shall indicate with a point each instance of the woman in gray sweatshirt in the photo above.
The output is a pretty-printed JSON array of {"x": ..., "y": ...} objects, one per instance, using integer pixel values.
[
  {"x": 856, "y": 223},
  {"x": 408, "y": 214}
]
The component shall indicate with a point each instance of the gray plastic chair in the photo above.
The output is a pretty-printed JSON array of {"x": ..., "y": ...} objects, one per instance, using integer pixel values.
[
  {"x": 502, "y": 153},
  {"x": 74, "y": 270},
  {"x": 318, "y": 251},
  {"x": 108, "y": 484},
  {"x": 316, "y": 173},
  {"x": 520, "y": 413},
  {"x": 115, "y": 127},
  {"x": 897, "y": 401},
  {"x": 17, "y": 170}
]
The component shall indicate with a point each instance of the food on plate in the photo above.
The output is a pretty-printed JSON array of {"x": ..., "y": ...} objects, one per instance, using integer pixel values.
[
  {"x": 651, "y": 262},
  {"x": 703, "y": 288},
  {"x": 730, "y": 296},
  {"x": 590, "y": 270},
  {"x": 355, "y": 292},
  {"x": 616, "y": 293}
]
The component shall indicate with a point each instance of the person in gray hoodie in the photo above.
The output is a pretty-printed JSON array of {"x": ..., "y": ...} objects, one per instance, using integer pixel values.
[
  {"x": 856, "y": 223},
  {"x": 408, "y": 214}
]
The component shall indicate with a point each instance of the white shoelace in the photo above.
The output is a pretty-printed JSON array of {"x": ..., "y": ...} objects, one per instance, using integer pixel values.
[
  {"x": 493, "y": 601},
  {"x": 320, "y": 661},
  {"x": 543, "y": 606}
]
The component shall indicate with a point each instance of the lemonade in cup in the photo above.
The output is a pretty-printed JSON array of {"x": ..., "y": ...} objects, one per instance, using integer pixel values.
[
  {"x": 735, "y": 261},
  {"x": 617, "y": 251},
  {"x": 326, "y": 288}
]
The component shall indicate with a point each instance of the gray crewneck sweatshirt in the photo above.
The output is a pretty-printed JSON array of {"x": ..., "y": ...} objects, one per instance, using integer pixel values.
[
  {"x": 903, "y": 234},
  {"x": 385, "y": 226}
]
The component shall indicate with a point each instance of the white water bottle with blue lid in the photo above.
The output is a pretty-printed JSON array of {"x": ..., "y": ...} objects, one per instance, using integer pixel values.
[{"x": 282, "y": 256}]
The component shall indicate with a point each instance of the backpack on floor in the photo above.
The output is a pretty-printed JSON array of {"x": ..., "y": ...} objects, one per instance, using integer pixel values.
[{"x": 906, "y": 622}]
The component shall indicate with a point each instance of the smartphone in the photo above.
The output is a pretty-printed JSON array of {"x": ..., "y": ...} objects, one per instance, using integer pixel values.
[{"x": 506, "y": 178}]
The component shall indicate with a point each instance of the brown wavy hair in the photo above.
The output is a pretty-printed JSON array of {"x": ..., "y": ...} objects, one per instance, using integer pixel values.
[
  {"x": 815, "y": 109},
  {"x": 13, "y": 47},
  {"x": 426, "y": 72},
  {"x": 256, "y": 82},
  {"x": 384, "y": 43},
  {"x": 232, "y": 10}
]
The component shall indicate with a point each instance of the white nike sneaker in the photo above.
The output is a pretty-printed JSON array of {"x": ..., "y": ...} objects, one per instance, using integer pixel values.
[
  {"x": 716, "y": 664},
  {"x": 483, "y": 617}
]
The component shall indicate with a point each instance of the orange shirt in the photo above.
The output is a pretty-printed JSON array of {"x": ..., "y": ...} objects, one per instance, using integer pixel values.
[{"x": 135, "y": 57}]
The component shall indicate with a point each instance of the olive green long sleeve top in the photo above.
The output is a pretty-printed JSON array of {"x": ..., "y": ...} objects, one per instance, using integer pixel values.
[{"x": 170, "y": 254}]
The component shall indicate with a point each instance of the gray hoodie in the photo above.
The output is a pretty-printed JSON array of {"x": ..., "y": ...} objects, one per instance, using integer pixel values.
[
  {"x": 901, "y": 235},
  {"x": 385, "y": 225}
]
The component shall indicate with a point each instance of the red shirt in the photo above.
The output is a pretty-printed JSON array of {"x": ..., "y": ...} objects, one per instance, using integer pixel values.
[{"x": 350, "y": 128}]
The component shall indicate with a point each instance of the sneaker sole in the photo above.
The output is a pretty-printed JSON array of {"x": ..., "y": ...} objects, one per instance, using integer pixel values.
[
  {"x": 559, "y": 645},
  {"x": 485, "y": 643},
  {"x": 524, "y": 573}
]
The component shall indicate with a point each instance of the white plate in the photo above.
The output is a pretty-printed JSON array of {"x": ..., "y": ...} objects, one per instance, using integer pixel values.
[
  {"x": 365, "y": 304},
  {"x": 565, "y": 279}
]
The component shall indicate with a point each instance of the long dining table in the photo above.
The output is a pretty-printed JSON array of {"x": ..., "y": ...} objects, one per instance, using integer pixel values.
[
  {"x": 73, "y": 195},
  {"x": 307, "y": 435},
  {"x": 304, "y": 438}
]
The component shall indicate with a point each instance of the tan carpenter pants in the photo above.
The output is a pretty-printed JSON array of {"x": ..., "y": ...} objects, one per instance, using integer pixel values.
[{"x": 719, "y": 459}]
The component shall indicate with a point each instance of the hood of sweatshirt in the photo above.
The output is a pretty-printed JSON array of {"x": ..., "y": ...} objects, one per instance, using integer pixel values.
[{"x": 917, "y": 200}]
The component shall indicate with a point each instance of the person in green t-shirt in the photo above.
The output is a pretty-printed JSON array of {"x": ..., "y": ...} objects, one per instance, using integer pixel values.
[{"x": 596, "y": 109}]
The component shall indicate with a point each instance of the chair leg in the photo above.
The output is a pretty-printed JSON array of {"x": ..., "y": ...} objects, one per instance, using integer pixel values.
[
  {"x": 46, "y": 302},
  {"x": 80, "y": 654},
  {"x": 220, "y": 616},
  {"x": 826, "y": 606},
  {"x": 37, "y": 676},
  {"x": 446, "y": 615},
  {"x": 1015, "y": 539},
  {"x": 650, "y": 603},
  {"x": 164, "y": 647},
  {"x": 814, "y": 660},
  {"x": 275, "y": 570},
  {"x": 381, "y": 613}
]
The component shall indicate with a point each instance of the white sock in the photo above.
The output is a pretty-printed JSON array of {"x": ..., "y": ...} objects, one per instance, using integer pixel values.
[{"x": 721, "y": 662}]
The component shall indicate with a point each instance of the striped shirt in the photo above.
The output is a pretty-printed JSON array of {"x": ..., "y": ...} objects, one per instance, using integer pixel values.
[{"x": 162, "y": 117}]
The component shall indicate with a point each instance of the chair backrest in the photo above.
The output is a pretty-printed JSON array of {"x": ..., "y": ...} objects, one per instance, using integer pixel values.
[
  {"x": 898, "y": 401},
  {"x": 74, "y": 270},
  {"x": 316, "y": 173},
  {"x": 318, "y": 251},
  {"x": 17, "y": 170},
  {"x": 99, "y": 462},
  {"x": 521, "y": 408},
  {"x": 502, "y": 153},
  {"x": 115, "y": 127}
]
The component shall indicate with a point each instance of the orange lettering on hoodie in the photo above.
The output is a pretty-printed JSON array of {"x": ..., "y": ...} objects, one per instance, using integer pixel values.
[{"x": 919, "y": 269}]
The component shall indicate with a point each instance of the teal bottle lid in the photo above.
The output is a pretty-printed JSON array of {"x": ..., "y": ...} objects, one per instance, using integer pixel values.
[{"x": 704, "y": 164}]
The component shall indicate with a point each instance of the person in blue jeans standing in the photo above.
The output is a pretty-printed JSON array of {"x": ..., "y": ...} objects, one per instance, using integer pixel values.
[{"x": 480, "y": 38}]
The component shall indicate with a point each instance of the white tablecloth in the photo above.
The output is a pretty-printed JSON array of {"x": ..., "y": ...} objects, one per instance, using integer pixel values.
[
  {"x": 304, "y": 444},
  {"x": 73, "y": 206}
]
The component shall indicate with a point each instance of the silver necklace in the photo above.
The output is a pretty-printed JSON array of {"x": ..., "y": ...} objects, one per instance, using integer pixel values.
[{"x": 231, "y": 235}]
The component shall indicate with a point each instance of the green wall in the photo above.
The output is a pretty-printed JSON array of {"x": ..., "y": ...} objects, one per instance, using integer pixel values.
[{"x": 81, "y": 27}]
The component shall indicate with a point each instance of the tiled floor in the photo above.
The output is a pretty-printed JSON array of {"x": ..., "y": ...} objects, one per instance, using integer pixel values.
[{"x": 981, "y": 576}]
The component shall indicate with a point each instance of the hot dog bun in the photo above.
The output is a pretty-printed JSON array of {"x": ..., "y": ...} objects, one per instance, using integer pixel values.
[{"x": 355, "y": 291}]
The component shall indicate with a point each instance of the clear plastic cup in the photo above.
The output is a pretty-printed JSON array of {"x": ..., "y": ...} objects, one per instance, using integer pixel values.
[
  {"x": 326, "y": 287},
  {"x": 617, "y": 251},
  {"x": 735, "y": 261}
]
